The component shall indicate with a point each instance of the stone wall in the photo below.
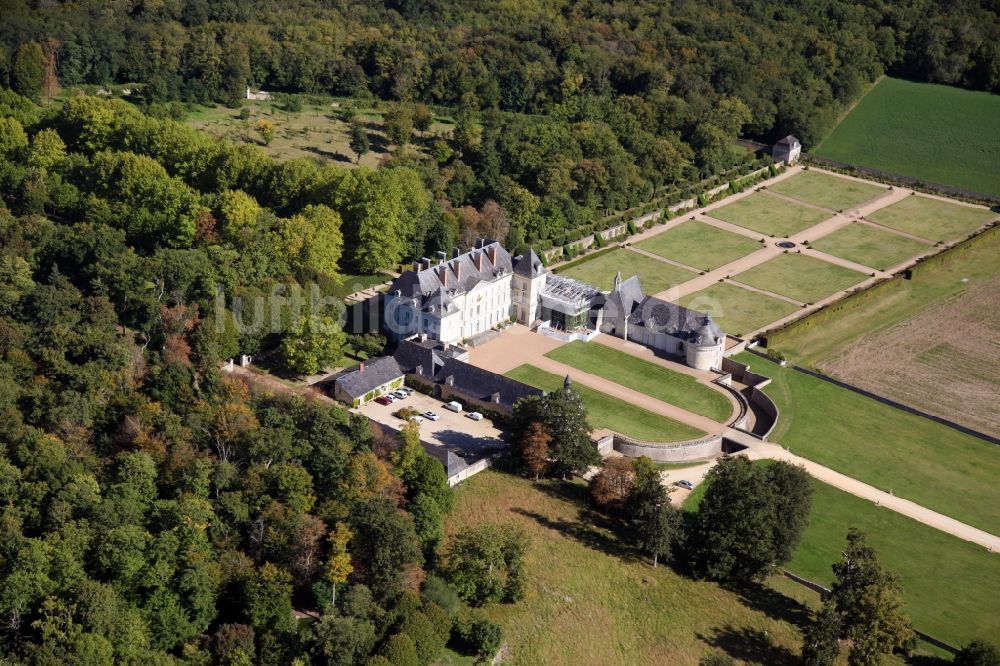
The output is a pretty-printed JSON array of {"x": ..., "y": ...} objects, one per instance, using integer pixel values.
[
  {"x": 742, "y": 374},
  {"x": 744, "y": 412},
  {"x": 471, "y": 470},
  {"x": 698, "y": 449},
  {"x": 762, "y": 403}
]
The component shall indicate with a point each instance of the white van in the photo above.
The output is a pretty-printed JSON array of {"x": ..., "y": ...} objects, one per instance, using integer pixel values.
[{"x": 453, "y": 406}]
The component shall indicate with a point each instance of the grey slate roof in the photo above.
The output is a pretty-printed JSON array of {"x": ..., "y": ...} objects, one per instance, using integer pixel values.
[
  {"x": 675, "y": 320},
  {"x": 627, "y": 299},
  {"x": 375, "y": 373},
  {"x": 789, "y": 141},
  {"x": 622, "y": 301},
  {"x": 429, "y": 356},
  {"x": 528, "y": 264},
  {"x": 483, "y": 384},
  {"x": 435, "y": 286}
]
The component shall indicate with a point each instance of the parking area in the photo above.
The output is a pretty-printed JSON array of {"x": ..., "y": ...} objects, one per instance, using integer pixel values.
[{"x": 454, "y": 431}]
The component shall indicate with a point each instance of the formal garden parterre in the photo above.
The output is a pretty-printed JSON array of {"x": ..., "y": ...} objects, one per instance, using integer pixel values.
[
  {"x": 870, "y": 246},
  {"x": 834, "y": 193},
  {"x": 699, "y": 245},
  {"x": 801, "y": 277},
  {"x": 769, "y": 215}
]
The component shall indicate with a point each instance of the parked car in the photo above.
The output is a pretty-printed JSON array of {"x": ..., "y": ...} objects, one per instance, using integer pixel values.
[
  {"x": 417, "y": 419},
  {"x": 399, "y": 395},
  {"x": 475, "y": 416},
  {"x": 686, "y": 485},
  {"x": 384, "y": 400},
  {"x": 430, "y": 416},
  {"x": 453, "y": 406}
]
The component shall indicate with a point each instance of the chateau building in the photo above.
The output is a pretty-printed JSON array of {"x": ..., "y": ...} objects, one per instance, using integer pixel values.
[
  {"x": 668, "y": 327},
  {"x": 457, "y": 298}
]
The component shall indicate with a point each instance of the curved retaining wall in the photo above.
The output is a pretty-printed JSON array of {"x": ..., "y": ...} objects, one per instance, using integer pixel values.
[
  {"x": 763, "y": 403},
  {"x": 741, "y": 400},
  {"x": 697, "y": 449}
]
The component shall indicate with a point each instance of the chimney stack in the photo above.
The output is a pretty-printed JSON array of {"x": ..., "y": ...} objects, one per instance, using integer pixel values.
[
  {"x": 441, "y": 256},
  {"x": 454, "y": 253},
  {"x": 425, "y": 262},
  {"x": 479, "y": 260},
  {"x": 416, "y": 266},
  {"x": 361, "y": 368},
  {"x": 443, "y": 274},
  {"x": 458, "y": 271},
  {"x": 493, "y": 254}
]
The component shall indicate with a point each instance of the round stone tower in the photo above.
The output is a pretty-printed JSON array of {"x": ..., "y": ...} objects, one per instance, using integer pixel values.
[{"x": 705, "y": 347}]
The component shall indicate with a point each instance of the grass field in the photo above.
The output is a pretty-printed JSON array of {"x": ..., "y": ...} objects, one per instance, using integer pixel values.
[
  {"x": 821, "y": 189},
  {"x": 930, "y": 343},
  {"x": 769, "y": 215},
  {"x": 600, "y": 271},
  {"x": 870, "y": 246},
  {"x": 932, "y": 219},
  {"x": 801, "y": 277},
  {"x": 911, "y": 456},
  {"x": 933, "y": 132},
  {"x": 951, "y": 587},
  {"x": 645, "y": 377},
  {"x": 606, "y": 411},
  {"x": 736, "y": 310},
  {"x": 316, "y": 131},
  {"x": 699, "y": 245},
  {"x": 591, "y": 600}
]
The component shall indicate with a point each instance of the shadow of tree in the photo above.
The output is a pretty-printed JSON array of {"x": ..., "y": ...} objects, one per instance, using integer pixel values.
[
  {"x": 772, "y": 603},
  {"x": 336, "y": 156},
  {"x": 588, "y": 535},
  {"x": 750, "y": 645}
]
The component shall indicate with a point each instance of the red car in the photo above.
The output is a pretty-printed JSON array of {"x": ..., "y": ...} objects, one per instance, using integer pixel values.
[{"x": 383, "y": 400}]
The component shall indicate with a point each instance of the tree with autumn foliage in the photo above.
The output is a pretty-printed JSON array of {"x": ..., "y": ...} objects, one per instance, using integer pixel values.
[
  {"x": 533, "y": 449},
  {"x": 338, "y": 566},
  {"x": 611, "y": 486}
]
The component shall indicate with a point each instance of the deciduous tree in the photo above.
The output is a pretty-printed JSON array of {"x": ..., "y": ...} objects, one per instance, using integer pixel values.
[
  {"x": 359, "y": 140},
  {"x": 28, "y": 69},
  {"x": 534, "y": 449},
  {"x": 867, "y": 597}
]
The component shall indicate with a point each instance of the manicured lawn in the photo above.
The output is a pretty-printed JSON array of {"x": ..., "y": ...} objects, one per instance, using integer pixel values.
[
  {"x": 932, "y": 219},
  {"x": 591, "y": 600},
  {"x": 934, "y": 132},
  {"x": 646, "y": 377},
  {"x": 935, "y": 466},
  {"x": 870, "y": 246},
  {"x": 769, "y": 215},
  {"x": 654, "y": 275},
  {"x": 700, "y": 245},
  {"x": 606, "y": 411},
  {"x": 828, "y": 191},
  {"x": 951, "y": 587},
  {"x": 738, "y": 311},
  {"x": 801, "y": 277}
]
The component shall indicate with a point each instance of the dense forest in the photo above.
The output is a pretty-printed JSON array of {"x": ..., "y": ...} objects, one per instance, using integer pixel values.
[
  {"x": 153, "y": 508},
  {"x": 563, "y": 110}
]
